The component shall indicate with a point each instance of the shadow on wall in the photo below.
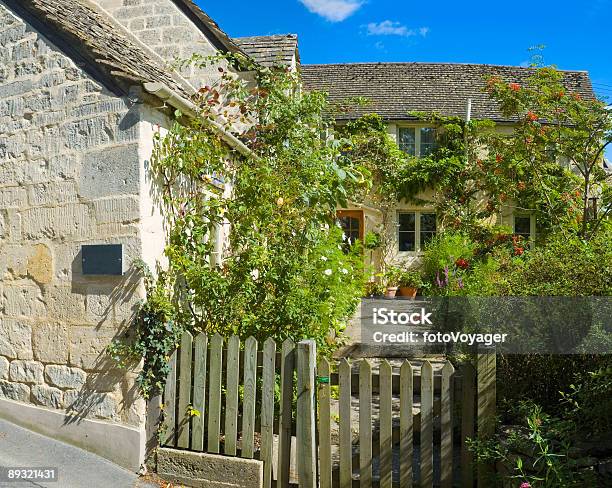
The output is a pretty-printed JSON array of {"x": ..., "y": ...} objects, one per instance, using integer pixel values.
[{"x": 111, "y": 303}]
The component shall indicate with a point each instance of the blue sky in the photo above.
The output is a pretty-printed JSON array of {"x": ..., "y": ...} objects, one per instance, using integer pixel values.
[{"x": 576, "y": 34}]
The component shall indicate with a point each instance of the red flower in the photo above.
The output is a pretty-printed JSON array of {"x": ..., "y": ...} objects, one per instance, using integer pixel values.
[
  {"x": 560, "y": 94},
  {"x": 518, "y": 251},
  {"x": 576, "y": 97},
  {"x": 498, "y": 158},
  {"x": 531, "y": 116},
  {"x": 462, "y": 263},
  {"x": 514, "y": 87}
]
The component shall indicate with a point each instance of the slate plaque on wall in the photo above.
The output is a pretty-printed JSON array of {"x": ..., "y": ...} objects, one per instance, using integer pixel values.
[{"x": 102, "y": 259}]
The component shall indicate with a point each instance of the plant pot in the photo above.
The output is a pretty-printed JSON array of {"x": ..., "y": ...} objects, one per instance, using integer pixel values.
[
  {"x": 406, "y": 291},
  {"x": 390, "y": 292}
]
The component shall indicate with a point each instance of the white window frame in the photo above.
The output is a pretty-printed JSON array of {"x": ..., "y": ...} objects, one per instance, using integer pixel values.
[
  {"x": 417, "y": 136},
  {"x": 417, "y": 229},
  {"x": 532, "y": 224}
]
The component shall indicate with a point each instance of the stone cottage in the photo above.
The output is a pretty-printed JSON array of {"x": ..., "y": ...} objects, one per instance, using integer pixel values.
[
  {"x": 394, "y": 91},
  {"x": 83, "y": 86}
]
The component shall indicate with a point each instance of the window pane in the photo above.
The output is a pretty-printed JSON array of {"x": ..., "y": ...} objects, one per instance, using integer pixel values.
[
  {"x": 428, "y": 228},
  {"x": 522, "y": 226},
  {"x": 428, "y": 140},
  {"x": 407, "y": 221},
  {"x": 428, "y": 222},
  {"x": 407, "y": 241},
  {"x": 350, "y": 227},
  {"x": 407, "y": 140},
  {"x": 407, "y": 231}
]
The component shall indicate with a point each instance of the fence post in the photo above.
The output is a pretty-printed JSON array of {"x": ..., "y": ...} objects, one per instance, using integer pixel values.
[
  {"x": 306, "y": 446},
  {"x": 487, "y": 398}
]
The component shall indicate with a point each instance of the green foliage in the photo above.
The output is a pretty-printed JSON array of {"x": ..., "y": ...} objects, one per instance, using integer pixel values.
[
  {"x": 158, "y": 334},
  {"x": 477, "y": 170},
  {"x": 285, "y": 272},
  {"x": 535, "y": 453},
  {"x": 588, "y": 402},
  {"x": 410, "y": 278},
  {"x": 564, "y": 265},
  {"x": 554, "y": 125},
  {"x": 541, "y": 378},
  {"x": 393, "y": 276},
  {"x": 371, "y": 240}
]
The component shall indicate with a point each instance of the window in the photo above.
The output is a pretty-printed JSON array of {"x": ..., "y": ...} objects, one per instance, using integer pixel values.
[
  {"x": 417, "y": 141},
  {"x": 415, "y": 230},
  {"x": 351, "y": 222},
  {"x": 522, "y": 226}
]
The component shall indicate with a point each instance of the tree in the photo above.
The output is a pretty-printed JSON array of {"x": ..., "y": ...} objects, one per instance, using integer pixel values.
[{"x": 553, "y": 125}]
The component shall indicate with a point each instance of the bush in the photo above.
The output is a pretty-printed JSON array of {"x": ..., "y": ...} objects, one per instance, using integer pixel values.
[{"x": 565, "y": 265}]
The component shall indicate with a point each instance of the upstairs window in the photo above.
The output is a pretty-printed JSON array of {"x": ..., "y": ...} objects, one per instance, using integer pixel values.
[{"x": 417, "y": 141}]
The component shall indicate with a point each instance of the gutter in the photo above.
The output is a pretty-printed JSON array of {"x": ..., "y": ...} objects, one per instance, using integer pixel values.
[{"x": 187, "y": 107}]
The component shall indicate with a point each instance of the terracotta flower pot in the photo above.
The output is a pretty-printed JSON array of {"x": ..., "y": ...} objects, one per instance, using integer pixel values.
[
  {"x": 406, "y": 291},
  {"x": 390, "y": 292}
]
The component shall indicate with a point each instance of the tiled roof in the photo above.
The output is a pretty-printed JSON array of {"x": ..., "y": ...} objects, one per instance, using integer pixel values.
[
  {"x": 395, "y": 89},
  {"x": 99, "y": 39},
  {"x": 270, "y": 50}
]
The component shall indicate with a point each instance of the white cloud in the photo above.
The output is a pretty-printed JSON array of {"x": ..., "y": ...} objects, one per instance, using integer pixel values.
[
  {"x": 391, "y": 28},
  {"x": 333, "y": 10}
]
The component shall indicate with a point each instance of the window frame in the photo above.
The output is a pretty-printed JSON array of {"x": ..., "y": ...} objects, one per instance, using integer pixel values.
[
  {"x": 418, "y": 251},
  {"x": 417, "y": 136}
]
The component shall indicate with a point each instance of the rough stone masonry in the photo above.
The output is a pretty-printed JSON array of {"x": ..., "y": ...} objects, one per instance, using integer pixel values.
[
  {"x": 69, "y": 175},
  {"x": 74, "y": 154}
]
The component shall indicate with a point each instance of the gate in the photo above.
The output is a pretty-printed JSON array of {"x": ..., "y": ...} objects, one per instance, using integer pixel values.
[{"x": 369, "y": 423}]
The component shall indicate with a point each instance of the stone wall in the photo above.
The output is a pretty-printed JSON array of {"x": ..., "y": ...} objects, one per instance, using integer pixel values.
[
  {"x": 71, "y": 173},
  {"x": 162, "y": 27}
]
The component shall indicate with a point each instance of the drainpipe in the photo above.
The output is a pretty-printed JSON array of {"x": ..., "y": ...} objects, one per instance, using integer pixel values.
[{"x": 187, "y": 107}]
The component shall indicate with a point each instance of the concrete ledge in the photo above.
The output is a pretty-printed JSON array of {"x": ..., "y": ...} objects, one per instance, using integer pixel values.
[
  {"x": 202, "y": 470},
  {"x": 118, "y": 443}
]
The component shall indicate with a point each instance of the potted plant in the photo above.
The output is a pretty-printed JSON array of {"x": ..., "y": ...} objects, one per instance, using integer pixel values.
[
  {"x": 374, "y": 289},
  {"x": 392, "y": 277},
  {"x": 409, "y": 283}
]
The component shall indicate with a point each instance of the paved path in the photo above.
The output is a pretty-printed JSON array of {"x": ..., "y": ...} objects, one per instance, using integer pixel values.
[{"x": 76, "y": 468}]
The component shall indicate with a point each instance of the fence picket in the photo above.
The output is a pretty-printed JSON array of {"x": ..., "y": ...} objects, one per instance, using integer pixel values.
[
  {"x": 250, "y": 395},
  {"x": 325, "y": 465},
  {"x": 365, "y": 423},
  {"x": 306, "y": 445},
  {"x": 231, "y": 395},
  {"x": 346, "y": 434},
  {"x": 386, "y": 425},
  {"x": 184, "y": 401},
  {"x": 286, "y": 413},
  {"x": 169, "y": 433},
  {"x": 267, "y": 409},
  {"x": 446, "y": 428},
  {"x": 467, "y": 424},
  {"x": 199, "y": 391},
  {"x": 406, "y": 424},
  {"x": 486, "y": 371},
  {"x": 214, "y": 393},
  {"x": 426, "y": 425}
]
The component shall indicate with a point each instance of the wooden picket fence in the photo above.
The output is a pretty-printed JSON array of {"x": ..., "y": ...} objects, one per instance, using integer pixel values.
[{"x": 220, "y": 398}]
